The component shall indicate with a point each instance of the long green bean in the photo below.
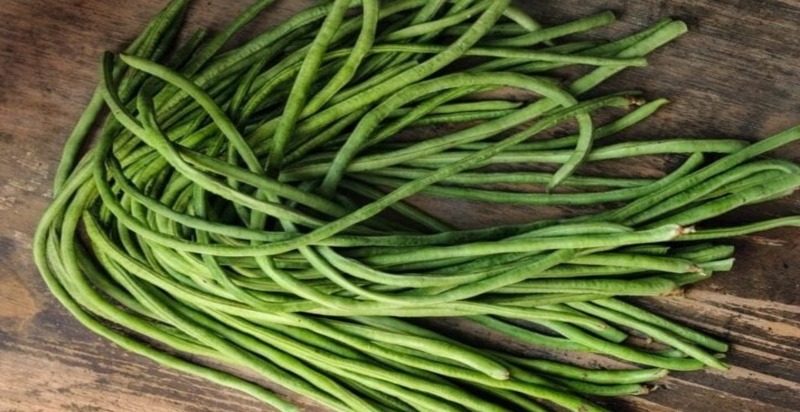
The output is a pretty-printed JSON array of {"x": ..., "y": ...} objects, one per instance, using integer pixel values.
[{"x": 258, "y": 207}]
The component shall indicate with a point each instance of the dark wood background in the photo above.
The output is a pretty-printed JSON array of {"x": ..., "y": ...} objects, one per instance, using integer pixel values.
[{"x": 736, "y": 74}]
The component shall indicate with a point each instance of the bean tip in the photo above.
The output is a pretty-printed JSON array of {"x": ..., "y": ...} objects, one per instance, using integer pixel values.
[
  {"x": 680, "y": 26},
  {"x": 678, "y": 292},
  {"x": 636, "y": 101},
  {"x": 610, "y": 15},
  {"x": 502, "y": 375},
  {"x": 126, "y": 57},
  {"x": 723, "y": 366}
]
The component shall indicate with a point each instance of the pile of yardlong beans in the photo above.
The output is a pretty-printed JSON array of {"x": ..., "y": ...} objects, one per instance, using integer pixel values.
[{"x": 247, "y": 205}]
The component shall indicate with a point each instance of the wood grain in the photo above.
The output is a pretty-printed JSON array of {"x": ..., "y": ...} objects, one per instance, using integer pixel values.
[{"x": 736, "y": 74}]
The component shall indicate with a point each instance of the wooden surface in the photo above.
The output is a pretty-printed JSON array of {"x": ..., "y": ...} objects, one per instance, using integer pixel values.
[{"x": 736, "y": 74}]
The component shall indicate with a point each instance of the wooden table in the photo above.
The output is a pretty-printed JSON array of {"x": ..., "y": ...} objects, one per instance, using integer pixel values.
[{"x": 736, "y": 74}]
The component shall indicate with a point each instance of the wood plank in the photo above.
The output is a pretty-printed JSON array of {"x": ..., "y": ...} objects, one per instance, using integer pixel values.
[{"x": 734, "y": 75}]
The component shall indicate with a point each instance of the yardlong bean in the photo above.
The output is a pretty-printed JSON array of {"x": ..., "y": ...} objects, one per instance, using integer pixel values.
[{"x": 265, "y": 207}]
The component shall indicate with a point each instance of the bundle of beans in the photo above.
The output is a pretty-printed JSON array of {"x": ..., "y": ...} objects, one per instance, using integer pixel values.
[{"x": 247, "y": 206}]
